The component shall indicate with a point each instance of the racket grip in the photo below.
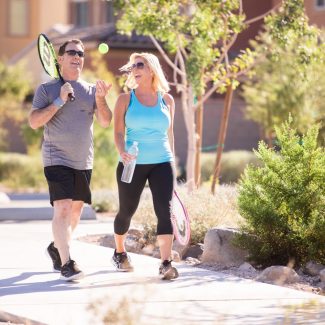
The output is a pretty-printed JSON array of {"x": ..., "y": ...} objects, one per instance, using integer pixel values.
[{"x": 71, "y": 97}]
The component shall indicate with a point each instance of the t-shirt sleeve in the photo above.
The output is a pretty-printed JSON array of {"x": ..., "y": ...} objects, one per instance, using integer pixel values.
[{"x": 41, "y": 98}]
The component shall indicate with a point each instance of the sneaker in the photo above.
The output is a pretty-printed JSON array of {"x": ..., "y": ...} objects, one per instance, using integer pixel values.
[
  {"x": 122, "y": 262},
  {"x": 53, "y": 253},
  {"x": 70, "y": 271},
  {"x": 167, "y": 271}
]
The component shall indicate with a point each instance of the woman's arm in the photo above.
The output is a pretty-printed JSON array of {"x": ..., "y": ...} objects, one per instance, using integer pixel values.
[
  {"x": 119, "y": 126},
  {"x": 169, "y": 100}
]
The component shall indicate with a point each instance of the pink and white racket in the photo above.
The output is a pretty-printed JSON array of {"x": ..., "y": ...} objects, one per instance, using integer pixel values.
[{"x": 180, "y": 220}]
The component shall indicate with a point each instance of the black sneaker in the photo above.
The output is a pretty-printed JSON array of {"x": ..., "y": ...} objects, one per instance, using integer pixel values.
[
  {"x": 122, "y": 262},
  {"x": 167, "y": 271},
  {"x": 55, "y": 256},
  {"x": 70, "y": 271}
]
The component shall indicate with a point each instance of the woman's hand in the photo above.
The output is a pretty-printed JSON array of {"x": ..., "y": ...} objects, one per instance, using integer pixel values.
[{"x": 126, "y": 157}]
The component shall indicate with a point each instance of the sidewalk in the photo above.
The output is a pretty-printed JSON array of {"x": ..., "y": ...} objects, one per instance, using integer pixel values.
[{"x": 30, "y": 290}]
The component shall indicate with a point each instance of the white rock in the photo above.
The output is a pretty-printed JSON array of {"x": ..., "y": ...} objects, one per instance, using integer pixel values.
[{"x": 4, "y": 198}]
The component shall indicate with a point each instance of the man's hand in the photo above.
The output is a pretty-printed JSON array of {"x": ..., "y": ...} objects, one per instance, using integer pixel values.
[
  {"x": 103, "y": 113},
  {"x": 66, "y": 89},
  {"x": 102, "y": 89}
]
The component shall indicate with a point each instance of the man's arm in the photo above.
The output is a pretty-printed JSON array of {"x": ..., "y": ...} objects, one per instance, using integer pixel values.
[
  {"x": 38, "y": 117},
  {"x": 103, "y": 113}
]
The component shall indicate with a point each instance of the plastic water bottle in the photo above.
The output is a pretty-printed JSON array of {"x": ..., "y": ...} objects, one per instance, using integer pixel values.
[{"x": 128, "y": 169}]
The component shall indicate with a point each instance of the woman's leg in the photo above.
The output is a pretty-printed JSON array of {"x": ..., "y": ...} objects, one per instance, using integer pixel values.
[
  {"x": 161, "y": 182},
  {"x": 129, "y": 197}
]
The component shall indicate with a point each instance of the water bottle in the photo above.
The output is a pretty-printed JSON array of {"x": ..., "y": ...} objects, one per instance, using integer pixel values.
[{"x": 128, "y": 169}]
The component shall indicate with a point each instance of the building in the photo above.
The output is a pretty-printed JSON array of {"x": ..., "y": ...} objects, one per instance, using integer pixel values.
[{"x": 93, "y": 21}]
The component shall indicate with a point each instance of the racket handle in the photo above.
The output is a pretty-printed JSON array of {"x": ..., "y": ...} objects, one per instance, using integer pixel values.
[{"x": 71, "y": 97}]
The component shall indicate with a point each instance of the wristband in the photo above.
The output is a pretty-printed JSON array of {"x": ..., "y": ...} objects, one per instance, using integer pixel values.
[{"x": 58, "y": 102}]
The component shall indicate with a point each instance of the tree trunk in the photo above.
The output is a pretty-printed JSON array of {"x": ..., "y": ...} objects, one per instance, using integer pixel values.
[
  {"x": 191, "y": 140},
  {"x": 222, "y": 136},
  {"x": 199, "y": 130}
]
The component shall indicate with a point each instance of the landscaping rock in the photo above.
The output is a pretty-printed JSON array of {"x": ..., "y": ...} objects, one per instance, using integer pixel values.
[
  {"x": 322, "y": 276},
  {"x": 194, "y": 251},
  {"x": 278, "y": 275},
  {"x": 4, "y": 198},
  {"x": 313, "y": 268},
  {"x": 219, "y": 248}
]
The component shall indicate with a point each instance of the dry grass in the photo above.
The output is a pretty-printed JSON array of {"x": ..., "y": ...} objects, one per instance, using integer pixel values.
[{"x": 205, "y": 210}]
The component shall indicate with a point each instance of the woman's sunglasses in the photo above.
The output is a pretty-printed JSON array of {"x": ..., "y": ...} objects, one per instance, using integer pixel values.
[
  {"x": 74, "y": 52},
  {"x": 138, "y": 65}
]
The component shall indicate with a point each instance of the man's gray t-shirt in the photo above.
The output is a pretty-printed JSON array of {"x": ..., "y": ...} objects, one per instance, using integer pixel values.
[{"x": 68, "y": 136}]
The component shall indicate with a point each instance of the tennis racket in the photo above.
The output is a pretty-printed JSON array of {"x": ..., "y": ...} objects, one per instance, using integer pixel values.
[
  {"x": 180, "y": 220},
  {"x": 48, "y": 59}
]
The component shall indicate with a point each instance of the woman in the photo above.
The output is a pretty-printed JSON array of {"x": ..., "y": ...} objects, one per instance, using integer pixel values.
[{"x": 145, "y": 115}]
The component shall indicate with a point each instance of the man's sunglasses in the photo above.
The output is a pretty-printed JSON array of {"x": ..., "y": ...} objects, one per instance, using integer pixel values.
[
  {"x": 74, "y": 52},
  {"x": 139, "y": 65}
]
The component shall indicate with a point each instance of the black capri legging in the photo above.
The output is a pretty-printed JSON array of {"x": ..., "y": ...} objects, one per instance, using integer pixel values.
[{"x": 161, "y": 183}]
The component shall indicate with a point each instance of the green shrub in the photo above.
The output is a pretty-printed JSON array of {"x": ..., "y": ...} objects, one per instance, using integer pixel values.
[
  {"x": 21, "y": 172},
  {"x": 233, "y": 164},
  {"x": 283, "y": 202}
]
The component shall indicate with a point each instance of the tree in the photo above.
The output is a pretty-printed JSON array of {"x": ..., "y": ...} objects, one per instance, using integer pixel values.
[
  {"x": 14, "y": 87},
  {"x": 289, "y": 77},
  {"x": 198, "y": 35}
]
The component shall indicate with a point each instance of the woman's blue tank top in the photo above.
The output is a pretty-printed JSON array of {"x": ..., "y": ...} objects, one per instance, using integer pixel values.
[{"x": 148, "y": 125}]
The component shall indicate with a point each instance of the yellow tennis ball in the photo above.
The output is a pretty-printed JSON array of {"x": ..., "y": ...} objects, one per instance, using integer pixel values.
[{"x": 103, "y": 48}]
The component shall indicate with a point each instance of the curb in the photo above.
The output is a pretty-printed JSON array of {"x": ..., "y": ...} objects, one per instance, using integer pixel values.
[
  {"x": 28, "y": 212},
  {"x": 16, "y": 320}
]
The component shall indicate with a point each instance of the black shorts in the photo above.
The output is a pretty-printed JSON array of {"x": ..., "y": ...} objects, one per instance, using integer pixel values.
[{"x": 68, "y": 183}]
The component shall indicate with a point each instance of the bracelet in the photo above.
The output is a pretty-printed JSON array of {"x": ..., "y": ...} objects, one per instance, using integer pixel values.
[{"x": 58, "y": 102}]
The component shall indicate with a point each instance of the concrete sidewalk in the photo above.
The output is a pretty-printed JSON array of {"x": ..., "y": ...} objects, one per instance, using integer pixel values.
[{"x": 30, "y": 290}]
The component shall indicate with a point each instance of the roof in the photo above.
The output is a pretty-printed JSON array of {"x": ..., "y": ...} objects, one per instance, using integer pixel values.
[{"x": 94, "y": 35}]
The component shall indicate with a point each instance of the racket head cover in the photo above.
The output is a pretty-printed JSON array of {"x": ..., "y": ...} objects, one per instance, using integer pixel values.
[{"x": 180, "y": 221}]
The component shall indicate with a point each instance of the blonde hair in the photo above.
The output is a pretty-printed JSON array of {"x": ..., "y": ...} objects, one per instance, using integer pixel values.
[{"x": 159, "y": 81}]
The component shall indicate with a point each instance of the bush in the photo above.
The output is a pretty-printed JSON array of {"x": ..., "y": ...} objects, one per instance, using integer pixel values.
[
  {"x": 19, "y": 171},
  {"x": 283, "y": 202},
  {"x": 233, "y": 164},
  {"x": 105, "y": 201},
  {"x": 106, "y": 158}
]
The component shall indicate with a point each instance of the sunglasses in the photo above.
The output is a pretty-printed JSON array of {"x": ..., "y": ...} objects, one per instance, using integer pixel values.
[
  {"x": 74, "y": 52},
  {"x": 139, "y": 65}
]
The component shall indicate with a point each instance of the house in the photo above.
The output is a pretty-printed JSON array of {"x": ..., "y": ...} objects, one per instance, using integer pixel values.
[{"x": 93, "y": 22}]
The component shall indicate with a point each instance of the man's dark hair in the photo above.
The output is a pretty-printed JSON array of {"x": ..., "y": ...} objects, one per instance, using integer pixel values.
[{"x": 64, "y": 45}]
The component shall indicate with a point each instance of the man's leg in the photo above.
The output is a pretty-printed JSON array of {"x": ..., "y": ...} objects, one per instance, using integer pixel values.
[
  {"x": 61, "y": 227},
  {"x": 77, "y": 207}
]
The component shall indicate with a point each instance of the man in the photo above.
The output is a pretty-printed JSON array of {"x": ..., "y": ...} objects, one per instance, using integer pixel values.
[{"x": 67, "y": 147}]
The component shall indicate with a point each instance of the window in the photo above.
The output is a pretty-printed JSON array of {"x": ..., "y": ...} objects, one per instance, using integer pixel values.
[
  {"x": 320, "y": 4},
  {"x": 109, "y": 12},
  {"x": 80, "y": 13},
  {"x": 18, "y": 17}
]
